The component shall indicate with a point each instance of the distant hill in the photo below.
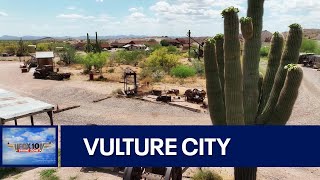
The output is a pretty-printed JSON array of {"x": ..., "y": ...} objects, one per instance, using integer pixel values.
[
  {"x": 31, "y": 38},
  {"x": 312, "y": 34},
  {"x": 266, "y": 36}
]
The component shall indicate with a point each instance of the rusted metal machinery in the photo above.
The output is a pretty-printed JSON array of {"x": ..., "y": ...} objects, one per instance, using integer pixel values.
[
  {"x": 45, "y": 68},
  {"x": 165, "y": 173},
  {"x": 174, "y": 91},
  {"x": 195, "y": 95},
  {"x": 164, "y": 99},
  {"x": 47, "y": 72},
  {"x": 127, "y": 90}
]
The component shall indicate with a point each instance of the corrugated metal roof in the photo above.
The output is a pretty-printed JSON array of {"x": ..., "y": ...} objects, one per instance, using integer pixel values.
[
  {"x": 13, "y": 105},
  {"x": 44, "y": 55}
]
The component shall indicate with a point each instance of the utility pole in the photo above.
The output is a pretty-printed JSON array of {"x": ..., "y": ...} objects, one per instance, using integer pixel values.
[{"x": 189, "y": 35}]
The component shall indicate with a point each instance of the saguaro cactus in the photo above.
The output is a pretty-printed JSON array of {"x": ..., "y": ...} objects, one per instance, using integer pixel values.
[
  {"x": 248, "y": 98},
  {"x": 97, "y": 48},
  {"x": 88, "y": 46}
]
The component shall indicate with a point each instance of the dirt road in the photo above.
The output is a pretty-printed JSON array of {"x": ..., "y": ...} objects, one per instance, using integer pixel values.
[{"x": 132, "y": 112}]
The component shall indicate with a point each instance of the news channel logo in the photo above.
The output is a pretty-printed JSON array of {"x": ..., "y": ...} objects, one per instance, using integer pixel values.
[{"x": 34, "y": 146}]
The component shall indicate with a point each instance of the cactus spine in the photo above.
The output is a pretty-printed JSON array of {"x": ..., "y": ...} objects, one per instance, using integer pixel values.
[{"x": 272, "y": 98}]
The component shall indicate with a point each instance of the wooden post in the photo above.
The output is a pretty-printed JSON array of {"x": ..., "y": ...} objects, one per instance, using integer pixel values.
[
  {"x": 50, "y": 116},
  {"x": 15, "y": 122},
  {"x": 32, "y": 123}
]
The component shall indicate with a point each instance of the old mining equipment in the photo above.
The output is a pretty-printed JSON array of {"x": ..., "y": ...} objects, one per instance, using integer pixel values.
[
  {"x": 195, "y": 95},
  {"x": 129, "y": 73},
  {"x": 47, "y": 72},
  {"x": 165, "y": 173},
  {"x": 164, "y": 99}
]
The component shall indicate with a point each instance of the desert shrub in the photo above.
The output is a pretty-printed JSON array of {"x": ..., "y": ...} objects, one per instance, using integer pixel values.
[
  {"x": 183, "y": 71},
  {"x": 68, "y": 55},
  {"x": 264, "y": 51},
  {"x": 22, "y": 49},
  {"x": 11, "y": 49},
  {"x": 164, "y": 43},
  {"x": 155, "y": 74},
  {"x": 49, "y": 174},
  {"x": 6, "y": 172},
  {"x": 162, "y": 60},
  {"x": 198, "y": 66},
  {"x": 45, "y": 47},
  {"x": 97, "y": 60},
  {"x": 206, "y": 175},
  {"x": 129, "y": 57},
  {"x": 310, "y": 46},
  {"x": 172, "y": 50},
  {"x": 111, "y": 71}
]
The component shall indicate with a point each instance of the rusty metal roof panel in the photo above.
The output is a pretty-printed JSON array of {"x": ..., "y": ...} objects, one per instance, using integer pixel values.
[{"x": 13, "y": 105}]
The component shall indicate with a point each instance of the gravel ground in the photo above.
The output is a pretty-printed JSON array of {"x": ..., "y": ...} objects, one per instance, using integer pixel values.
[{"x": 118, "y": 111}]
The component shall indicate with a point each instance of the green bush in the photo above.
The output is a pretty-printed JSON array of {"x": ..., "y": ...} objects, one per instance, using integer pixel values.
[
  {"x": 183, "y": 71},
  {"x": 206, "y": 175},
  {"x": 155, "y": 74},
  {"x": 163, "y": 60},
  {"x": 310, "y": 46},
  {"x": 98, "y": 60},
  {"x": 264, "y": 51},
  {"x": 49, "y": 174},
  {"x": 68, "y": 55},
  {"x": 198, "y": 66},
  {"x": 172, "y": 50},
  {"x": 129, "y": 57},
  {"x": 164, "y": 43}
]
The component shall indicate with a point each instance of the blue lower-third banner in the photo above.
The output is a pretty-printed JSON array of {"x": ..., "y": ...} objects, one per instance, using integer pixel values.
[{"x": 191, "y": 146}]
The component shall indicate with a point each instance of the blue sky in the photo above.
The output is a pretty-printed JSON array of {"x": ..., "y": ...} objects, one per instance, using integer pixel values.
[
  {"x": 142, "y": 17},
  {"x": 29, "y": 135}
]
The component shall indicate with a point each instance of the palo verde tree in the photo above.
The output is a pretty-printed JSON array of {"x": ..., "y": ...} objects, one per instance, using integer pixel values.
[
  {"x": 22, "y": 48},
  {"x": 237, "y": 94}
]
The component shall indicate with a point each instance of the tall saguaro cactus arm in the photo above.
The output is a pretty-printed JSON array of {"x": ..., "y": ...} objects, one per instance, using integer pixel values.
[
  {"x": 251, "y": 59},
  {"x": 288, "y": 96},
  {"x": 215, "y": 94},
  {"x": 290, "y": 56},
  {"x": 233, "y": 72},
  {"x": 219, "y": 38},
  {"x": 273, "y": 64}
]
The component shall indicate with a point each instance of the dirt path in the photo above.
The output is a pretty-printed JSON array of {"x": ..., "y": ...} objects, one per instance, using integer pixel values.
[{"x": 132, "y": 112}]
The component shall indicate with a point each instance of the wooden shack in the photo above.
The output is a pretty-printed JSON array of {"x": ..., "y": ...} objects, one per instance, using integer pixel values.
[{"x": 44, "y": 59}]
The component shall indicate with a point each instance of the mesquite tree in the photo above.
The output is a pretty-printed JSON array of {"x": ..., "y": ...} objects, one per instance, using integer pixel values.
[{"x": 237, "y": 93}]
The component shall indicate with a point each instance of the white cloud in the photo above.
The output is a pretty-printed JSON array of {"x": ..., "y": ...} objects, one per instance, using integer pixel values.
[
  {"x": 71, "y": 8},
  {"x": 136, "y": 9},
  {"x": 74, "y": 16},
  {"x": 3, "y": 14},
  {"x": 99, "y": 0},
  {"x": 190, "y": 10},
  {"x": 13, "y": 139}
]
